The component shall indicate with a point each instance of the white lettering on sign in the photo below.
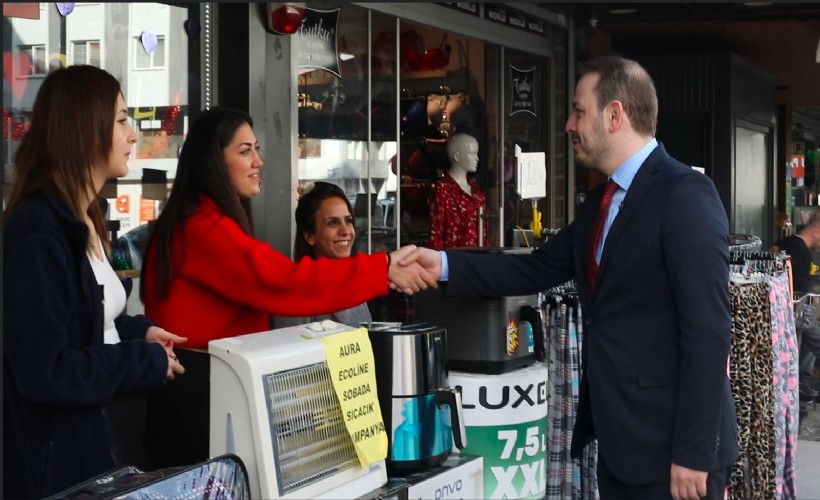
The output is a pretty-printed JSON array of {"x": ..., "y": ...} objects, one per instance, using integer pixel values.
[
  {"x": 467, "y": 6},
  {"x": 317, "y": 31},
  {"x": 534, "y": 475},
  {"x": 535, "y": 27},
  {"x": 497, "y": 16},
  {"x": 518, "y": 22}
]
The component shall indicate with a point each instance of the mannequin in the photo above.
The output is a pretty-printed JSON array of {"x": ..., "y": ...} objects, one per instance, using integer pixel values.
[{"x": 457, "y": 198}]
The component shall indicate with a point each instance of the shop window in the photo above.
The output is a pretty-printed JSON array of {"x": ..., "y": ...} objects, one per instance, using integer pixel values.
[
  {"x": 106, "y": 35},
  {"x": 333, "y": 110},
  {"x": 154, "y": 60},
  {"x": 32, "y": 60},
  {"x": 86, "y": 52}
]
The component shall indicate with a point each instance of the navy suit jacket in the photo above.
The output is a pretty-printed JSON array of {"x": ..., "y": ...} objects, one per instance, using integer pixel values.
[{"x": 654, "y": 387}]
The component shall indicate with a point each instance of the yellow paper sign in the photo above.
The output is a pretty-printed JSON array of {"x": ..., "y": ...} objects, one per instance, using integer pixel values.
[{"x": 350, "y": 360}]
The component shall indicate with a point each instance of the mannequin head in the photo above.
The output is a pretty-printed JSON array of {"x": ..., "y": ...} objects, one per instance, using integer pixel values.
[{"x": 462, "y": 150}]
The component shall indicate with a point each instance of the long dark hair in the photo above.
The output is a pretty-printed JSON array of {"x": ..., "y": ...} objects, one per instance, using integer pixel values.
[
  {"x": 72, "y": 131},
  {"x": 306, "y": 209},
  {"x": 201, "y": 170}
]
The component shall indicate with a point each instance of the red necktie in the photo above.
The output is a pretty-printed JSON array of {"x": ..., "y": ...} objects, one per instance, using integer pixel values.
[{"x": 598, "y": 232}]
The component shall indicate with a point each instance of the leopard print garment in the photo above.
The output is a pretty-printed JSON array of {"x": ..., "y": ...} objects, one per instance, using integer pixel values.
[{"x": 750, "y": 371}]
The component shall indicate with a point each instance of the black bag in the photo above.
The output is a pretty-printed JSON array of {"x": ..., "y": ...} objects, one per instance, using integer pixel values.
[{"x": 223, "y": 477}]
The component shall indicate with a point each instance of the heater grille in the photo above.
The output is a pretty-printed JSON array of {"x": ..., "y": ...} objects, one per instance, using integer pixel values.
[{"x": 310, "y": 437}]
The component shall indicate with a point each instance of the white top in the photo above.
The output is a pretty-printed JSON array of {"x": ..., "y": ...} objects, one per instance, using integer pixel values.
[{"x": 113, "y": 295}]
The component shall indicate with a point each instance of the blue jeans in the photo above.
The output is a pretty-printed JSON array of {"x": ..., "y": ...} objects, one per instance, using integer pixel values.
[{"x": 809, "y": 350}]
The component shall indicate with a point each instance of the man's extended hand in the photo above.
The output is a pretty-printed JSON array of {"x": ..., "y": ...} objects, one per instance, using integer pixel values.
[{"x": 428, "y": 258}]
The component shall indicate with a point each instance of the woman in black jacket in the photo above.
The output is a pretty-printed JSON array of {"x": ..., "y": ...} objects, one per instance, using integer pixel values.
[{"x": 71, "y": 362}]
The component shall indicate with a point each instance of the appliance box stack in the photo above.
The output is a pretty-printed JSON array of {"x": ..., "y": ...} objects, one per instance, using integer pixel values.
[
  {"x": 486, "y": 335},
  {"x": 460, "y": 476},
  {"x": 495, "y": 343}
]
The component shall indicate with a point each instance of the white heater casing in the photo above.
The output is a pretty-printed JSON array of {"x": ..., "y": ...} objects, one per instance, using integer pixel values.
[{"x": 242, "y": 420}]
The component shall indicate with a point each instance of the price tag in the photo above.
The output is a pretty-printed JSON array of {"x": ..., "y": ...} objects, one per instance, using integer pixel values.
[{"x": 532, "y": 176}]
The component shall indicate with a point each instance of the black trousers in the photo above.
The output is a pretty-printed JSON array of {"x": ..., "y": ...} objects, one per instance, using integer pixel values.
[
  {"x": 178, "y": 419},
  {"x": 126, "y": 416},
  {"x": 612, "y": 488},
  {"x": 809, "y": 350}
]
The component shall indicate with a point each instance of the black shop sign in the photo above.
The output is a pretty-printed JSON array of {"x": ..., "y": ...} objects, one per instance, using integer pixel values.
[
  {"x": 318, "y": 49},
  {"x": 523, "y": 84}
]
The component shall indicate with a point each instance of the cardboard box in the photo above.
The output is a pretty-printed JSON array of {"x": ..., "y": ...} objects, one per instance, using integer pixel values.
[{"x": 459, "y": 477}]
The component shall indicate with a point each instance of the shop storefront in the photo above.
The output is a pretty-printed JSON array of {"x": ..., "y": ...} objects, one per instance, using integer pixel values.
[
  {"x": 381, "y": 90},
  {"x": 365, "y": 96},
  {"x": 373, "y": 97}
]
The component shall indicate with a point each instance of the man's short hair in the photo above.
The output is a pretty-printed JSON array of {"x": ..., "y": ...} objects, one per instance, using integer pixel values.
[{"x": 814, "y": 220}]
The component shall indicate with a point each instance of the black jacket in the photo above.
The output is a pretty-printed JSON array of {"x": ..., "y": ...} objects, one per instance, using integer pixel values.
[{"x": 58, "y": 375}]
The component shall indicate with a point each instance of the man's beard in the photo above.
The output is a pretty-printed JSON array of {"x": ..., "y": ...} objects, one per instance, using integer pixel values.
[{"x": 595, "y": 150}]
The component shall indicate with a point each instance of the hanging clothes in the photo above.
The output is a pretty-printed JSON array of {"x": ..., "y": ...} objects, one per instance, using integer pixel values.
[
  {"x": 567, "y": 478},
  {"x": 454, "y": 215},
  {"x": 763, "y": 373},
  {"x": 785, "y": 380},
  {"x": 750, "y": 371}
]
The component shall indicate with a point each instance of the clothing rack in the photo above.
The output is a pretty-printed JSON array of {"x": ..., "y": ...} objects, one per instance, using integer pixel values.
[
  {"x": 737, "y": 257},
  {"x": 763, "y": 373},
  {"x": 567, "y": 478},
  {"x": 744, "y": 243},
  {"x": 745, "y": 263},
  {"x": 569, "y": 288}
]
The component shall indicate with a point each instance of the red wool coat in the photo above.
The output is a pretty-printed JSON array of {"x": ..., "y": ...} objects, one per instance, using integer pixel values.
[{"x": 229, "y": 282}]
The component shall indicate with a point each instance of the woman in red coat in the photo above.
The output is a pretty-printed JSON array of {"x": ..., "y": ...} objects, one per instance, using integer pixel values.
[{"x": 206, "y": 277}]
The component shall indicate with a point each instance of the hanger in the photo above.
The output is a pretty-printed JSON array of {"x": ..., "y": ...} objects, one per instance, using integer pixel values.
[{"x": 744, "y": 242}]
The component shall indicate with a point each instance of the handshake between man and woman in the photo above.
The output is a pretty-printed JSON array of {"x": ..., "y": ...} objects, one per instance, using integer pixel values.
[{"x": 413, "y": 269}]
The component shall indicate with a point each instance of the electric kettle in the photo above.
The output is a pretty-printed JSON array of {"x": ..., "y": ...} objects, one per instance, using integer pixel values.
[{"x": 422, "y": 414}]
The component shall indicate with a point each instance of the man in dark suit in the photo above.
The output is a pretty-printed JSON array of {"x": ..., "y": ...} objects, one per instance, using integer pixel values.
[{"x": 657, "y": 322}]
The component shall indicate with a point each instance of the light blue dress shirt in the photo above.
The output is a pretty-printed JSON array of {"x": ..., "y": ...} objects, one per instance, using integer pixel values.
[{"x": 624, "y": 176}]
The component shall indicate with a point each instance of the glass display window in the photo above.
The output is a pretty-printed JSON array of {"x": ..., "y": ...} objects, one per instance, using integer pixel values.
[
  {"x": 442, "y": 97},
  {"x": 145, "y": 46},
  {"x": 362, "y": 73},
  {"x": 347, "y": 121}
]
